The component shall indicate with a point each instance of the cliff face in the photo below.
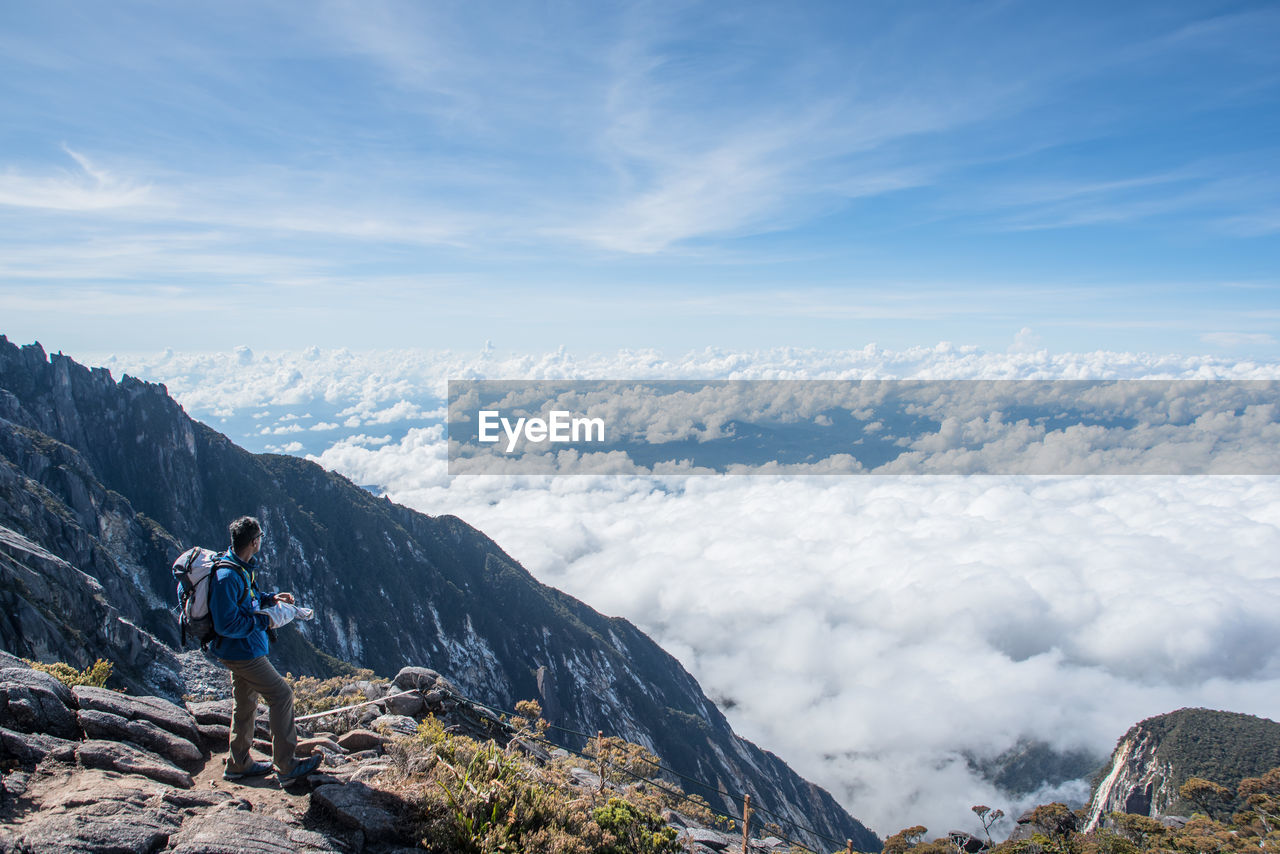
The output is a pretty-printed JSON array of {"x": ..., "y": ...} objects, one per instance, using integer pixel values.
[
  {"x": 108, "y": 482},
  {"x": 1158, "y": 755},
  {"x": 1136, "y": 782}
]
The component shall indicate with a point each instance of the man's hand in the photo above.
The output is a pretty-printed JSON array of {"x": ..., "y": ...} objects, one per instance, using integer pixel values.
[{"x": 285, "y": 597}]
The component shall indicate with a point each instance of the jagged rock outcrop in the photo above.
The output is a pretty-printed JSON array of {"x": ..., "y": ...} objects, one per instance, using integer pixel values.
[
  {"x": 75, "y": 609},
  {"x": 102, "y": 483},
  {"x": 1155, "y": 757},
  {"x": 159, "y": 714},
  {"x": 32, "y": 701}
]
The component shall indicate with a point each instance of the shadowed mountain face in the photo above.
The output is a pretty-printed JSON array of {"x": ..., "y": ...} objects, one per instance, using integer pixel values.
[
  {"x": 1031, "y": 764},
  {"x": 103, "y": 483}
]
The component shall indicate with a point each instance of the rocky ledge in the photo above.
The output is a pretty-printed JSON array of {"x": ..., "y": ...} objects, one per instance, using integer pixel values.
[{"x": 92, "y": 770}]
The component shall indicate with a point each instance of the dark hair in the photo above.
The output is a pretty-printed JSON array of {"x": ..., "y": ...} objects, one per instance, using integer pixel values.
[{"x": 243, "y": 532}]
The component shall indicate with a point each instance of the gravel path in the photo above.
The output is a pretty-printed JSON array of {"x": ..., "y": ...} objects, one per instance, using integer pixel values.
[{"x": 204, "y": 677}]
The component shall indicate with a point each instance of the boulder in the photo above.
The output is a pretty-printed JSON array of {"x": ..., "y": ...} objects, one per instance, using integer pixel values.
[
  {"x": 398, "y": 724},
  {"x": 103, "y": 825},
  {"x": 215, "y": 736},
  {"x": 369, "y": 770},
  {"x": 965, "y": 843},
  {"x": 361, "y": 739},
  {"x": 316, "y": 779},
  {"x": 92, "y": 811},
  {"x": 199, "y": 799},
  {"x": 33, "y": 701},
  {"x": 142, "y": 733},
  {"x": 162, "y": 713},
  {"x": 228, "y": 830},
  {"x": 407, "y": 704},
  {"x": 676, "y": 820},
  {"x": 211, "y": 712},
  {"x": 357, "y": 806},
  {"x": 703, "y": 836},
  {"x": 307, "y": 746},
  {"x": 28, "y": 748},
  {"x": 7, "y": 660},
  {"x": 375, "y": 690},
  {"x": 415, "y": 679},
  {"x": 583, "y": 777},
  {"x": 126, "y": 759},
  {"x": 14, "y": 785}
]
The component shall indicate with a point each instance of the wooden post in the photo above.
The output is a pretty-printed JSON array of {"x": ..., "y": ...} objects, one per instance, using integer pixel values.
[
  {"x": 600, "y": 756},
  {"x": 746, "y": 821}
]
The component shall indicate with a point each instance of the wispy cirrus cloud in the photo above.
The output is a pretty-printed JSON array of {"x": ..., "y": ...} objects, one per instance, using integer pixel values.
[
  {"x": 595, "y": 159},
  {"x": 1238, "y": 340},
  {"x": 90, "y": 188}
]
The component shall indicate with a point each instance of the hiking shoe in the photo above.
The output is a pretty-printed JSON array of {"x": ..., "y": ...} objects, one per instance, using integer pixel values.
[
  {"x": 302, "y": 769},
  {"x": 257, "y": 769}
]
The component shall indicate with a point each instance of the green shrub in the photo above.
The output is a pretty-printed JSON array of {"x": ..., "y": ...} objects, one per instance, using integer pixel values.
[
  {"x": 481, "y": 798},
  {"x": 95, "y": 675},
  {"x": 311, "y": 695},
  {"x": 636, "y": 832}
]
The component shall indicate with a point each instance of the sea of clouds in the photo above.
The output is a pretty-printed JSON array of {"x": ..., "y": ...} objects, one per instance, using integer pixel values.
[{"x": 872, "y": 631}]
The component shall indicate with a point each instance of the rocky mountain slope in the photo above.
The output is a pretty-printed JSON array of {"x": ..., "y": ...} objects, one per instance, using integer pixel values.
[
  {"x": 91, "y": 770},
  {"x": 1156, "y": 756},
  {"x": 103, "y": 483}
]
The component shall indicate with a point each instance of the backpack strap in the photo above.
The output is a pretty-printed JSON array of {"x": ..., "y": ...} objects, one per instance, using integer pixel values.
[{"x": 230, "y": 564}]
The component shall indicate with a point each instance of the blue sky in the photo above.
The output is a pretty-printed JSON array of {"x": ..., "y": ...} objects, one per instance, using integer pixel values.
[
  {"x": 666, "y": 175},
  {"x": 679, "y": 176}
]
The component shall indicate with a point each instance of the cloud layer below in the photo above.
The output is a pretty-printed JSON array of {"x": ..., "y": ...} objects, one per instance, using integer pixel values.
[{"x": 871, "y": 631}]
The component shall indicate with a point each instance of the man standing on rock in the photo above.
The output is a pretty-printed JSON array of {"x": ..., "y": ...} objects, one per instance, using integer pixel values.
[{"x": 242, "y": 644}]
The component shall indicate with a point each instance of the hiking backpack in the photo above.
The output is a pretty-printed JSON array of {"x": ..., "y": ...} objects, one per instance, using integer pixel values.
[{"x": 194, "y": 571}]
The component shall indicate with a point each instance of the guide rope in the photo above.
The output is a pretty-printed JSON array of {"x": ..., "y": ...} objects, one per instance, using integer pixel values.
[{"x": 326, "y": 712}]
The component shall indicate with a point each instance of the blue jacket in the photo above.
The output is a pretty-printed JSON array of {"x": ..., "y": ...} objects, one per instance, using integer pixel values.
[{"x": 242, "y": 634}]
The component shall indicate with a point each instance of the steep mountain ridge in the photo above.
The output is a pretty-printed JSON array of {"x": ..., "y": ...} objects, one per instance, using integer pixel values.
[
  {"x": 113, "y": 478},
  {"x": 1156, "y": 756}
]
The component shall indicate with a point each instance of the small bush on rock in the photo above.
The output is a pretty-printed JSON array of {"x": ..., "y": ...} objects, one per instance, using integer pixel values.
[
  {"x": 636, "y": 832},
  {"x": 481, "y": 798},
  {"x": 312, "y": 695},
  {"x": 95, "y": 675}
]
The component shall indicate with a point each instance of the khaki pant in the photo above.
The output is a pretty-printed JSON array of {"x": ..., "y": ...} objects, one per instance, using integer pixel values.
[{"x": 249, "y": 679}]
